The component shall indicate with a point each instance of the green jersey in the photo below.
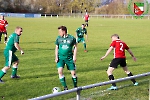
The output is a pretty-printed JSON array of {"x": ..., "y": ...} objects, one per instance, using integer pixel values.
[
  {"x": 80, "y": 32},
  {"x": 13, "y": 38},
  {"x": 65, "y": 45}
]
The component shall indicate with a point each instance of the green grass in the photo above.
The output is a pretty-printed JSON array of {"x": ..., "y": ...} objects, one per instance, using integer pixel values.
[{"x": 38, "y": 70}]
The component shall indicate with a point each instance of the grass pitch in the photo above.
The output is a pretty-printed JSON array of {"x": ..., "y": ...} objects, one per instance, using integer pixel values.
[{"x": 38, "y": 70}]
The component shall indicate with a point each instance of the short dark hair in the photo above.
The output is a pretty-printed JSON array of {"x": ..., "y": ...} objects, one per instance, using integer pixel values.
[
  {"x": 116, "y": 35},
  {"x": 64, "y": 28},
  {"x": 83, "y": 24}
]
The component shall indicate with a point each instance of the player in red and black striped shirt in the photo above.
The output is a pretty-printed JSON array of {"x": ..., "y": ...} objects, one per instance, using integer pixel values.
[
  {"x": 86, "y": 18},
  {"x": 119, "y": 48},
  {"x": 3, "y": 30}
]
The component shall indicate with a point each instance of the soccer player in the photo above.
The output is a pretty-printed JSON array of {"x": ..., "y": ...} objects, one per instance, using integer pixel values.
[
  {"x": 64, "y": 55},
  {"x": 3, "y": 25},
  {"x": 119, "y": 48},
  {"x": 11, "y": 46},
  {"x": 80, "y": 32},
  {"x": 86, "y": 18}
]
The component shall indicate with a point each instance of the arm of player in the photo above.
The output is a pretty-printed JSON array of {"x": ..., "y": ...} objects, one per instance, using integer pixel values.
[
  {"x": 76, "y": 37},
  {"x": 56, "y": 53},
  {"x": 75, "y": 53},
  {"x": 6, "y": 24},
  {"x": 107, "y": 53},
  {"x": 19, "y": 48},
  {"x": 87, "y": 38},
  {"x": 130, "y": 52}
]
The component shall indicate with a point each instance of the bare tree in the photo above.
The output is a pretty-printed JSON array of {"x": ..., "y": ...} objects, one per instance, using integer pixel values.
[
  {"x": 115, "y": 7},
  {"x": 66, "y": 6}
]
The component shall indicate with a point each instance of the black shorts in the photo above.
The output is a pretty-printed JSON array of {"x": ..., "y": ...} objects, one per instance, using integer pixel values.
[
  {"x": 3, "y": 33},
  {"x": 86, "y": 20},
  {"x": 118, "y": 61}
]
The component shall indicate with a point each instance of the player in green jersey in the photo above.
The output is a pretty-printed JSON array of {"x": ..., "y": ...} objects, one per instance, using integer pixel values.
[
  {"x": 64, "y": 55},
  {"x": 11, "y": 46},
  {"x": 80, "y": 32}
]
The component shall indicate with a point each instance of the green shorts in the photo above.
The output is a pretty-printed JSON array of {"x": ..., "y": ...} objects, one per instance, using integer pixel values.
[
  {"x": 80, "y": 40},
  {"x": 9, "y": 57},
  {"x": 69, "y": 63}
]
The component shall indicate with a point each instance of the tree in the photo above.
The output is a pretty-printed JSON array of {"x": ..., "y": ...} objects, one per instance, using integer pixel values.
[
  {"x": 80, "y": 6},
  {"x": 115, "y": 7}
]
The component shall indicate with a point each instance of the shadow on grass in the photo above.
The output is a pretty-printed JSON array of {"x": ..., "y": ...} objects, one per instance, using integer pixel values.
[
  {"x": 38, "y": 76},
  {"x": 40, "y": 49},
  {"x": 128, "y": 85},
  {"x": 37, "y": 47},
  {"x": 97, "y": 49},
  {"x": 37, "y": 42},
  {"x": 135, "y": 65},
  {"x": 103, "y": 68},
  {"x": 92, "y": 69}
]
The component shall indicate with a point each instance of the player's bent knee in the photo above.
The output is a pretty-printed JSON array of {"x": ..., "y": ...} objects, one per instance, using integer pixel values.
[
  {"x": 74, "y": 75},
  {"x": 6, "y": 68},
  {"x": 109, "y": 72},
  {"x": 60, "y": 73},
  {"x": 127, "y": 72},
  {"x": 61, "y": 76},
  {"x": 16, "y": 62}
]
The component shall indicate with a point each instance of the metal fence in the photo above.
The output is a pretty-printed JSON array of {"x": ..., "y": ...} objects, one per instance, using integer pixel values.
[
  {"x": 79, "y": 89},
  {"x": 97, "y": 16},
  {"x": 75, "y": 15}
]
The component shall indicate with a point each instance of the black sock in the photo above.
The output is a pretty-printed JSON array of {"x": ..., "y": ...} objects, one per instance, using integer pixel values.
[
  {"x": 133, "y": 80},
  {"x": 111, "y": 77},
  {"x": 5, "y": 38},
  {"x": 0, "y": 36}
]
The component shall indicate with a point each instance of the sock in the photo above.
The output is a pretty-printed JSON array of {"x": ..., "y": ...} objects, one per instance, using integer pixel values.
[
  {"x": 111, "y": 77},
  {"x": 2, "y": 73},
  {"x": 84, "y": 46},
  {"x": 74, "y": 79},
  {"x": 0, "y": 36},
  {"x": 133, "y": 80},
  {"x": 5, "y": 38},
  {"x": 14, "y": 71},
  {"x": 63, "y": 81}
]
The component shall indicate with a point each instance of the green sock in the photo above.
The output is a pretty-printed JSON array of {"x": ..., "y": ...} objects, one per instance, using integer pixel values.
[
  {"x": 84, "y": 46},
  {"x": 14, "y": 72},
  {"x": 2, "y": 74},
  {"x": 74, "y": 81},
  {"x": 63, "y": 81}
]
